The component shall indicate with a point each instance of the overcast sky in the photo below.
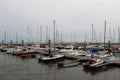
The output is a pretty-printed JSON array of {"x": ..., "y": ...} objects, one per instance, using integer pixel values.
[{"x": 73, "y": 17}]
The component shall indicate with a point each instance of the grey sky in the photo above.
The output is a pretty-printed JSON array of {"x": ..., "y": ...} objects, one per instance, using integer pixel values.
[{"x": 70, "y": 16}]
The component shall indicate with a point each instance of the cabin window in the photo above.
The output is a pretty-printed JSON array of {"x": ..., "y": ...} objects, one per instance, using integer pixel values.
[{"x": 24, "y": 50}]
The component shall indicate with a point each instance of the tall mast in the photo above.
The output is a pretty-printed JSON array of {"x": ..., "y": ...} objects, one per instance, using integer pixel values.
[
  {"x": 9, "y": 35},
  {"x": 61, "y": 39},
  {"x": 47, "y": 35},
  {"x": 37, "y": 32},
  {"x": 95, "y": 37},
  {"x": 74, "y": 37},
  {"x": 21, "y": 35},
  {"x": 71, "y": 37},
  {"x": 22, "y": 41},
  {"x": 56, "y": 36},
  {"x": 85, "y": 35},
  {"x": 118, "y": 35},
  {"x": 54, "y": 31},
  {"x": 105, "y": 32},
  {"x": 16, "y": 37},
  {"x": 49, "y": 47},
  {"x": 5, "y": 36},
  {"x": 110, "y": 33},
  {"x": 100, "y": 37},
  {"x": 114, "y": 33},
  {"x": 40, "y": 34},
  {"x": 28, "y": 34},
  {"x": 92, "y": 33},
  {"x": 31, "y": 37}
]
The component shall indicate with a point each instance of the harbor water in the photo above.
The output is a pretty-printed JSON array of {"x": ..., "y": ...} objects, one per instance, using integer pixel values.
[{"x": 17, "y": 68}]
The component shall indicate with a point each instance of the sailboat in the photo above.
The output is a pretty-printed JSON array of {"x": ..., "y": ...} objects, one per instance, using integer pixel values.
[
  {"x": 51, "y": 56},
  {"x": 94, "y": 63}
]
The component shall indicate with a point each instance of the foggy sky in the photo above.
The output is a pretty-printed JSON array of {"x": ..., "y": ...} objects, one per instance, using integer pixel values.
[{"x": 73, "y": 17}]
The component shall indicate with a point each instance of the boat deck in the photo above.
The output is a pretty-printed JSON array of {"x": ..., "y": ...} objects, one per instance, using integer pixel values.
[{"x": 100, "y": 65}]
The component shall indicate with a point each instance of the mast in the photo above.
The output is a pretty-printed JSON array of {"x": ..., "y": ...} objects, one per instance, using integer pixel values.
[
  {"x": 74, "y": 37},
  {"x": 31, "y": 40},
  {"x": 54, "y": 32},
  {"x": 61, "y": 39},
  {"x": 71, "y": 37},
  {"x": 5, "y": 36},
  {"x": 21, "y": 35},
  {"x": 100, "y": 37},
  {"x": 110, "y": 33},
  {"x": 118, "y": 35},
  {"x": 57, "y": 37},
  {"x": 92, "y": 33},
  {"x": 85, "y": 35},
  {"x": 40, "y": 34},
  {"x": 47, "y": 35},
  {"x": 28, "y": 34},
  {"x": 95, "y": 37},
  {"x": 105, "y": 32},
  {"x": 114, "y": 33},
  {"x": 37, "y": 32},
  {"x": 54, "y": 35},
  {"x": 85, "y": 39},
  {"x": 16, "y": 37},
  {"x": 49, "y": 47},
  {"x": 9, "y": 35}
]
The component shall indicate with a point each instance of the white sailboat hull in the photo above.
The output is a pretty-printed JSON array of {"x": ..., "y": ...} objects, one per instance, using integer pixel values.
[{"x": 55, "y": 57}]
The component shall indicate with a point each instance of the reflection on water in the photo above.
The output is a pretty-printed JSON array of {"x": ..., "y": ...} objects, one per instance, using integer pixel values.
[{"x": 28, "y": 68}]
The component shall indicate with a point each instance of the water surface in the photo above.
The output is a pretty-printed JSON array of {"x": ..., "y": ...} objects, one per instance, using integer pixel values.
[{"x": 17, "y": 68}]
